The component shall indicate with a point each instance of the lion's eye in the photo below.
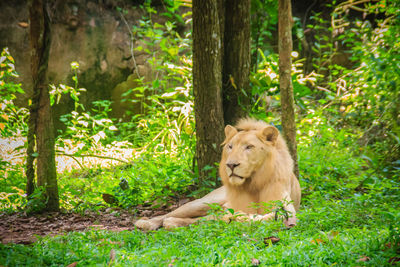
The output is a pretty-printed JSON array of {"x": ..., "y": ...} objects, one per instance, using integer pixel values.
[
  {"x": 230, "y": 146},
  {"x": 249, "y": 146}
]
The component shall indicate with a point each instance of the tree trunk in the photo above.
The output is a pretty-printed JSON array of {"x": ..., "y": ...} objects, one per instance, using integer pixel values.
[
  {"x": 221, "y": 21},
  {"x": 30, "y": 157},
  {"x": 236, "y": 60},
  {"x": 285, "y": 78},
  {"x": 41, "y": 121},
  {"x": 207, "y": 84}
]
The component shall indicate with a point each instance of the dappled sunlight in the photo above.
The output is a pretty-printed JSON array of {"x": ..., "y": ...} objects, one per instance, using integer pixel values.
[
  {"x": 68, "y": 158},
  {"x": 12, "y": 150}
]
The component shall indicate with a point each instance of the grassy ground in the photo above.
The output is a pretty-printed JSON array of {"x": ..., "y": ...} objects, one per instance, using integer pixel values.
[
  {"x": 356, "y": 231},
  {"x": 349, "y": 216}
]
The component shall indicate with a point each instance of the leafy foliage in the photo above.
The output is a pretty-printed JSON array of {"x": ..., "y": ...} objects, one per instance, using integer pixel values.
[
  {"x": 348, "y": 143},
  {"x": 166, "y": 129},
  {"x": 12, "y": 118},
  {"x": 167, "y": 96},
  {"x": 264, "y": 21},
  {"x": 366, "y": 94},
  {"x": 340, "y": 232}
]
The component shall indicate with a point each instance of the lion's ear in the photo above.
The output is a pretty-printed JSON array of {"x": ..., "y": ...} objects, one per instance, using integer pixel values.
[
  {"x": 230, "y": 131},
  {"x": 270, "y": 133}
]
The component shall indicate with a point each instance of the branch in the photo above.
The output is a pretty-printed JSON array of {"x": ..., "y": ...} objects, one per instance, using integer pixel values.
[
  {"x": 88, "y": 156},
  {"x": 131, "y": 44},
  {"x": 322, "y": 89},
  {"x": 71, "y": 156}
]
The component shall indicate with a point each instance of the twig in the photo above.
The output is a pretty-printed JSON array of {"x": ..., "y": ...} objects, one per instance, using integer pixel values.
[
  {"x": 342, "y": 7},
  {"x": 71, "y": 156},
  {"x": 90, "y": 156},
  {"x": 306, "y": 14},
  {"x": 131, "y": 44},
  {"x": 322, "y": 89},
  {"x": 350, "y": 4}
]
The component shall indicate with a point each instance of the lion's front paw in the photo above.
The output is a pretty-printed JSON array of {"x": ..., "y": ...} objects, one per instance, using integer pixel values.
[
  {"x": 227, "y": 217},
  {"x": 290, "y": 222},
  {"x": 256, "y": 217},
  {"x": 242, "y": 217},
  {"x": 268, "y": 216},
  {"x": 237, "y": 216},
  {"x": 149, "y": 224}
]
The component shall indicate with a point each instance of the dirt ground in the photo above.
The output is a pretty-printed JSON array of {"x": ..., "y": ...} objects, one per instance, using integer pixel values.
[{"x": 22, "y": 229}]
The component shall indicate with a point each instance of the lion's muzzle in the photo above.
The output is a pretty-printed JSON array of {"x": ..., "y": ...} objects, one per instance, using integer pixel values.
[
  {"x": 232, "y": 165},
  {"x": 234, "y": 178}
]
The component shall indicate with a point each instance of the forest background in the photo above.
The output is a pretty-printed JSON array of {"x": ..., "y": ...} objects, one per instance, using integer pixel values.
[{"x": 132, "y": 149}]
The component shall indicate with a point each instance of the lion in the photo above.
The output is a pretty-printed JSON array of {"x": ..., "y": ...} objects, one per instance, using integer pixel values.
[{"x": 255, "y": 168}]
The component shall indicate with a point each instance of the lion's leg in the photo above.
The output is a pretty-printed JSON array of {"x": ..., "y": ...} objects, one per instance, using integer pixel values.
[
  {"x": 190, "y": 210},
  {"x": 199, "y": 207},
  {"x": 172, "y": 222},
  {"x": 292, "y": 219},
  {"x": 150, "y": 224}
]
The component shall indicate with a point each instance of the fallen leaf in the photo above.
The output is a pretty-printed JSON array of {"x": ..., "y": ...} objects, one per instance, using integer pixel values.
[
  {"x": 109, "y": 199},
  {"x": 273, "y": 240},
  {"x": 72, "y": 264},
  {"x": 255, "y": 262},
  {"x": 332, "y": 234},
  {"x": 363, "y": 259},
  {"x": 317, "y": 241},
  {"x": 23, "y": 24}
]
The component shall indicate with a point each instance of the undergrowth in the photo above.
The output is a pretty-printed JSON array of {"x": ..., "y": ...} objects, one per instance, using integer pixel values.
[
  {"x": 348, "y": 216},
  {"x": 359, "y": 230},
  {"x": 348, "y": 147}
]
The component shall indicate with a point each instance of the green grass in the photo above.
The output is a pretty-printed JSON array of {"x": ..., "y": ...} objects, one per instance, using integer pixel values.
[
  {"x": 330, "y": 232},
  {"x": 350, "y": 210},
  {"x": 150, "y": 177}
]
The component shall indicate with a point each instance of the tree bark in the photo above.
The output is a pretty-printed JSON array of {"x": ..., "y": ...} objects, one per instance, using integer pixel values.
[
  {"x": 285, "y": 79},
  {"x": 41, "y": 121},
  {"x": 236, "y": 60},
  {"x": 207, "y": 84},
  {"x": 221, "y": 21},
  {"x": 30, "y": 157}
]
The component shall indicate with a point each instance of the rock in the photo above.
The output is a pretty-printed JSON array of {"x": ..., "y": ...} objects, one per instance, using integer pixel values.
[{"x": 94, "y": 34}]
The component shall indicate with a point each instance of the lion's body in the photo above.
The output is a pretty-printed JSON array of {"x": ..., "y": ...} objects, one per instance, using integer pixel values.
[{"x": 256, "y": 167}]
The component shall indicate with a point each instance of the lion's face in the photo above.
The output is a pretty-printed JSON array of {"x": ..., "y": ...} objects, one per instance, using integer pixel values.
[{"x": 245, "y": 152}]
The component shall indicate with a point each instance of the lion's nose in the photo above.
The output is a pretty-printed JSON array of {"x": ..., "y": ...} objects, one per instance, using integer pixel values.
[{"x": 232, "y": 165}]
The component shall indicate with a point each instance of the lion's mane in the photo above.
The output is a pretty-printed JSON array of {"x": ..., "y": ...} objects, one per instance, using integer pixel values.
[{"x": 277, "y": 169}]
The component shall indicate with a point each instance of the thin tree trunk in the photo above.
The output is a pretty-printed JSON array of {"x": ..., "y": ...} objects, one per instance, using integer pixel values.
[
  {"x": 236, "y": 60},
  {"x": 285, "y": 78},
  {"x": 207, "y": 84},
  {"x": 30, "y": 158},
  {"x": 41, "y": 117}
]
